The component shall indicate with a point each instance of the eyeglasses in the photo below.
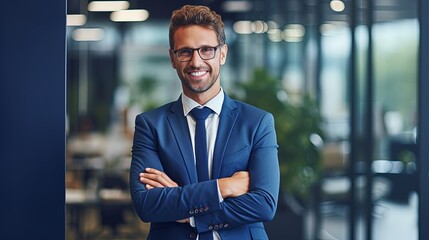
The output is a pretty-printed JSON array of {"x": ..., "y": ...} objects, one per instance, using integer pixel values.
[{"x": 205, "y": 53}]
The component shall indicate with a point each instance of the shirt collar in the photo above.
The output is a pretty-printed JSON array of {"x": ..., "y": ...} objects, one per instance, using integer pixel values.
[{"x": 214, "y": 104}]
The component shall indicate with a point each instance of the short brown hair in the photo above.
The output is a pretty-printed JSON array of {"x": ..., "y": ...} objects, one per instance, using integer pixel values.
[{"x": 196, "y": 15}]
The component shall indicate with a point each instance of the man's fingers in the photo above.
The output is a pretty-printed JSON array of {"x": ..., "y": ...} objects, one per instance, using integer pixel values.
[
  {"x": 162, "y": 175},
  {"x": 152, "y": 170},
  {"x": 150, "y": 182},
  {"x": 170, "y": 182},
  {"x": 153, "y": 179},
  {"x": 186, "y": 220},
  {"x": 156, "y": 178}
]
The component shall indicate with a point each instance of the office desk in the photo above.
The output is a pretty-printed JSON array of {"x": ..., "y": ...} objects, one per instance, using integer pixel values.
[
  {"x": 108, "y": 202},
  {"x": 78, "y": 201}
]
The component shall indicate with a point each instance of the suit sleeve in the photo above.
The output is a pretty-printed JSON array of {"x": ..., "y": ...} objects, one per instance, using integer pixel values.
[
  {"x": 164, "y": 204},
  {"x": 259, "y": 205}
]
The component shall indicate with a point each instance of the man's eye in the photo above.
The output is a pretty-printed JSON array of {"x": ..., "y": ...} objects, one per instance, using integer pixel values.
[
  {"x": 207, "y": 49},
  {"x": 185, "y": 52}
]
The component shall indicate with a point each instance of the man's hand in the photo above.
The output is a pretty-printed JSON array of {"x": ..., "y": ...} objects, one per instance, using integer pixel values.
[
  {"x": 234, "y": 186},
  {"x": 153, "y": 178}
]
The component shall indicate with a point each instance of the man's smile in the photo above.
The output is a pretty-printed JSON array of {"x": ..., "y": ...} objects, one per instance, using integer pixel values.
[{"x": 197, "y": 74}]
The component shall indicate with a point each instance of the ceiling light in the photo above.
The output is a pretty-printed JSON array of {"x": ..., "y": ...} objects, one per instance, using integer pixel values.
[
  {"x": 134, "y": 15},
  {"x": 76, "y": 20},
  {"x": 293, "y": 33},
  {"x": 274, "y": 35},
  {"x": 237, "y": 6},
  {"x": 88, "y": 34},
  {"x": 107, "y": 6},
  {"x": 242, "y": 27},
  {"x": 337, "y": 5},
  {"x": 259, "y": 26},
  {"x": 272, "y": 25}
]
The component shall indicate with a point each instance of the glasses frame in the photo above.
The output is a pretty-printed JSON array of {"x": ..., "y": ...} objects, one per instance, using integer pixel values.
[{"x": 198, "y": 51}]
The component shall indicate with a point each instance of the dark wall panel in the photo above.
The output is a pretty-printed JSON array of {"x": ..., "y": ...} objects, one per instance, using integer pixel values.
[
  {"x": 32, "y": 119},
  {"x": 423, "y": 126}
]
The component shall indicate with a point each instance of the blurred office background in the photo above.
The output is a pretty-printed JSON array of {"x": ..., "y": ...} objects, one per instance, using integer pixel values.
[{"x": 341, "y": 78}]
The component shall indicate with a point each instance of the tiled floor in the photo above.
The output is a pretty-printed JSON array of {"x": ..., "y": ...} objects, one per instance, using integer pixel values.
[{"x": 392, "y": 221}]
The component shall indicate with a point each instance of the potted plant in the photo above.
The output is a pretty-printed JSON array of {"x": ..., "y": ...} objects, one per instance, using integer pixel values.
[{"x": 297, "y": 122}]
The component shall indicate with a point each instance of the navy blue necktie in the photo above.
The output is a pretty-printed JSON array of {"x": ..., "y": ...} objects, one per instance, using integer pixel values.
[{"x": 200, "y": 115}]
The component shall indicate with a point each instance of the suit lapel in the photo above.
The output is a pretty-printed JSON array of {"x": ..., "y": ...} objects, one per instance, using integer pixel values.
[
  {"x": 179, "y": 127},
  {"x": 227, "y": 121}
]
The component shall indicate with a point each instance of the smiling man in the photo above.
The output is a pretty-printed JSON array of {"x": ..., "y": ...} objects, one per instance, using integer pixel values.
[{"x": 204, "y": 166}]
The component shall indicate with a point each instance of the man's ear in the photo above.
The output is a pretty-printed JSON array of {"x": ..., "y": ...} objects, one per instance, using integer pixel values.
[
  {"x": 223, "y": 54},
  {"x": 173, "y": 63}
]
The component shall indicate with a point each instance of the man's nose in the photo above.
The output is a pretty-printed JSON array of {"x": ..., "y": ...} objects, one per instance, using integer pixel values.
[{"x": 196, "y": 59}]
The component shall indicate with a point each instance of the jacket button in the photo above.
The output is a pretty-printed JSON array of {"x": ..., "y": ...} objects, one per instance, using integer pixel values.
[
  {"x": 226, "y": 225},
  {"x": 210, "y": 227},
  {"x": 191, "y": 212},
  {"x": 216, "y": 227}
]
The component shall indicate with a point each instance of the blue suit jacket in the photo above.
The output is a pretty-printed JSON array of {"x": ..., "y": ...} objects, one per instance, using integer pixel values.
[{"x": 246, "y": 140}]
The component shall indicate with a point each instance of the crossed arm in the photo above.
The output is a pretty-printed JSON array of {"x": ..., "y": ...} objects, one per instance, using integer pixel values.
[
  {"x": 234, "y": 186},
  {"x": 157, "y": 198}
]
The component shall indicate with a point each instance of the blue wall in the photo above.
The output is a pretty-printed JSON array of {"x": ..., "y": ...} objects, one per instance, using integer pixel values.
[{"x": 32, "y": 119}]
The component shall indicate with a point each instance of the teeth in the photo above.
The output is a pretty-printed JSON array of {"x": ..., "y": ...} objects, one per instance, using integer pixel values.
[{"x": 197, "y": 73}]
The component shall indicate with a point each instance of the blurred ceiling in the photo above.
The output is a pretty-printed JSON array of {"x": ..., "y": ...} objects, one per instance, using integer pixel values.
[{"x": 281, "y": 11}]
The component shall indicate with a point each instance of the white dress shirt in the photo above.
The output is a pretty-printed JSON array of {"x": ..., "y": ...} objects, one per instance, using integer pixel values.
[{"x": 212, "y": 124}]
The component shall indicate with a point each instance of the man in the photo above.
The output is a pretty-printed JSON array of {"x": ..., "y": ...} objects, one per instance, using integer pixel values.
[{"x": 234, "y": 189}]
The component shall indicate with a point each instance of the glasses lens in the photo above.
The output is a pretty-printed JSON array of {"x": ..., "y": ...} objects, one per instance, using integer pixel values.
[
  {"x": 184, "y": 54},
  {"x": 207, "y": 53}
]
